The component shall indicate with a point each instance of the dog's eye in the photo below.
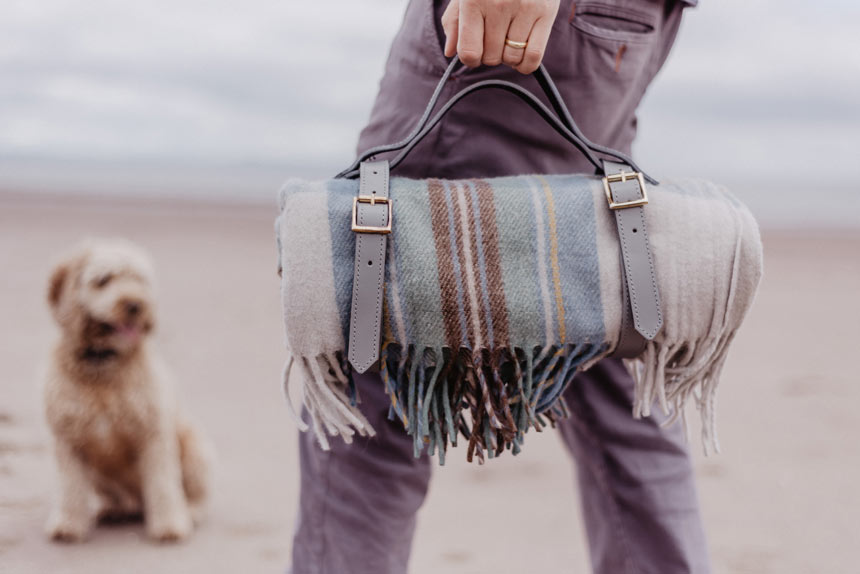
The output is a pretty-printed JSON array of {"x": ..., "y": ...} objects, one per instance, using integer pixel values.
[{"x": 103, "y": 280}]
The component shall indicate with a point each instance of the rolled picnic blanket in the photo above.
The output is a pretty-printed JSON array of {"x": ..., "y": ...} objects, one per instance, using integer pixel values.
[{"x": 498, "y": 291}]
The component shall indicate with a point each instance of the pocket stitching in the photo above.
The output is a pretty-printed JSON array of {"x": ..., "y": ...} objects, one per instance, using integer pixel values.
[{"x": 636, "y": 16}]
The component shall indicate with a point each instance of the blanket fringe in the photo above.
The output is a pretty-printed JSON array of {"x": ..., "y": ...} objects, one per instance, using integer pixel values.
[
  {"x": 329, "y": 396},
  {"x": 490, "y": 397},
  {"x": 493, "y": 397},
  {"x": 673, "y": 375}
]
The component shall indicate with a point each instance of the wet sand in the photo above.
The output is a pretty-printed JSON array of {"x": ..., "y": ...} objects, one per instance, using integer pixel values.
[{"x": 781, "y": 498}]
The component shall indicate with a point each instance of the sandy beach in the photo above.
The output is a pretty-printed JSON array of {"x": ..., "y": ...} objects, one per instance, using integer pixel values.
[{"x": 781, "y": 498}]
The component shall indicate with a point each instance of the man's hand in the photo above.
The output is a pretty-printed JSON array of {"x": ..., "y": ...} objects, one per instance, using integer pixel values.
[{"x": 476, "y": 30}]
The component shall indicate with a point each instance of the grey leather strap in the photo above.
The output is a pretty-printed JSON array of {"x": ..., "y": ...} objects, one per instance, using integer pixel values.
[
  {"x": 371, "y": 221},
  {"x": 631, "y": 344},
  {"x": 642, "y": 316},
  {"x": 559, "y": 118}
]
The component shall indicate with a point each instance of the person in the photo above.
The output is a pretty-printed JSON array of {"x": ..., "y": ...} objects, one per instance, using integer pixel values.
[{"x": 358, "y": 502}]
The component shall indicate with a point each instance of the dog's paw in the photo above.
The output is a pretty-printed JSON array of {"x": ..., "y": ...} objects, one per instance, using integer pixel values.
[
  {"x": 63, "y": 529},
  {"x": 174, "y": 528},
  {"x": 198, "y": 514}
]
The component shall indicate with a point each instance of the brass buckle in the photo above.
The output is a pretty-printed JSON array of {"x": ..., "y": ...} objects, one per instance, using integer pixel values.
[
  {"x": 372, "y": 200},
  {"x": 622, "y": 177}
]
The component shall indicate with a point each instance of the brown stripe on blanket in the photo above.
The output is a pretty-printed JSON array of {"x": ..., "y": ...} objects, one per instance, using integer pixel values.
[
  {"x": 495, "y": 285},
  {"x": 445, "y": 263}
]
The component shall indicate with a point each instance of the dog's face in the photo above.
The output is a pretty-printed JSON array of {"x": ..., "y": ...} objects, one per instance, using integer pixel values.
[{"x": 101, "y": 296}]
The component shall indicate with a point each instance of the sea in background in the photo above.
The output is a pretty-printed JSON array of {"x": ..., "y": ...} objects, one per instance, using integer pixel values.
[{"x": 171, "y": 100}]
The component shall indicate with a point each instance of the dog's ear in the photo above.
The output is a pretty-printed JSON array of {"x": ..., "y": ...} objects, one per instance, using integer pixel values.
[{"x": 56, "y": 284}]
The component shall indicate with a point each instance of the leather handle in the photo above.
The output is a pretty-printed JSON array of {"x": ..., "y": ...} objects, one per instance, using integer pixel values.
[
  {"x": 514, "y": 89},
  {"x": 369, "y": 153},
  {"x": 563, "y": 122},
  {"x": 544, "y": 81}
]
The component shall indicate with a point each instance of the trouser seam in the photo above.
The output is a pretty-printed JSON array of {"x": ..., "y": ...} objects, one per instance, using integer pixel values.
[
  {"x": 596, "y": 464},
  {"x": 328, "y": 462}
]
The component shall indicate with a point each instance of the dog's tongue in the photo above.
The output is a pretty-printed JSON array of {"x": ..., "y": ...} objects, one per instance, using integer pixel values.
[{"x": 131, "y": 332}]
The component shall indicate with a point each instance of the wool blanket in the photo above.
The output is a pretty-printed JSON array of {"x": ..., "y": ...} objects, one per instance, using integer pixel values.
[{"x": 498, "y": 291}]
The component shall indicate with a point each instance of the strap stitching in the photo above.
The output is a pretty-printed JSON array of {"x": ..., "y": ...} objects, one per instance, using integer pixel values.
[
  {"x": 631, "y": 283},
  {"x": 625, "y": 302},
  {"x": 358, "y": 258},
  {"x": 639, "y": 213},
  {"x": 360, "y": 248},
  {"x": 379, "y": 277},
  {"x": 381, "y": 267},
  {"x": 653, "y": 275},
  {"x": 353, "y": 351}
]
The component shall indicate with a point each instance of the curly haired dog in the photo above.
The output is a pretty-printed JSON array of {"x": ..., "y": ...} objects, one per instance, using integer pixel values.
[{"x": 122, "y": 445}]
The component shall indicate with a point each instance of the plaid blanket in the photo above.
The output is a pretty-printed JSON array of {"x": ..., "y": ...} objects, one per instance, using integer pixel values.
[{"x": 498, "y": 291}]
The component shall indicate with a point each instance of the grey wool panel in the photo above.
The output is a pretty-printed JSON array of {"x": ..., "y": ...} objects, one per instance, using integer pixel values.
[{"x": 497, "y": 291}]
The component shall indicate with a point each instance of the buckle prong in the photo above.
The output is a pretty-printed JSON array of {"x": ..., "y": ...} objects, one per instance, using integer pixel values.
[
  {"x": 621, "y": 178},
  {"x": 372, "y": 200}
]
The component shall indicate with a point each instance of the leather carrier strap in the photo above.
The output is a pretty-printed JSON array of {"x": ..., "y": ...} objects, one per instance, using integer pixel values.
[
  {"x": 624, "y": 185},
  {"x": 562, "y": 123},
  {"x": 641, "y": 315},
  {"x": 371, "y": 222}
]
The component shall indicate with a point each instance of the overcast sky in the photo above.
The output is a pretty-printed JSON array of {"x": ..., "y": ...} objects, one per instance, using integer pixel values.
[{"x": 756, "y": 93}]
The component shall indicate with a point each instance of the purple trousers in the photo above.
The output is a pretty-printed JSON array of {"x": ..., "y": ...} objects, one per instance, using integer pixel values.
[{"x": 359, "y": 502}]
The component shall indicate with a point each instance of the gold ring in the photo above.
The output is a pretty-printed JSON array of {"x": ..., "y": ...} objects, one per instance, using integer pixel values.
[{"x": 515, "y": 44}]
